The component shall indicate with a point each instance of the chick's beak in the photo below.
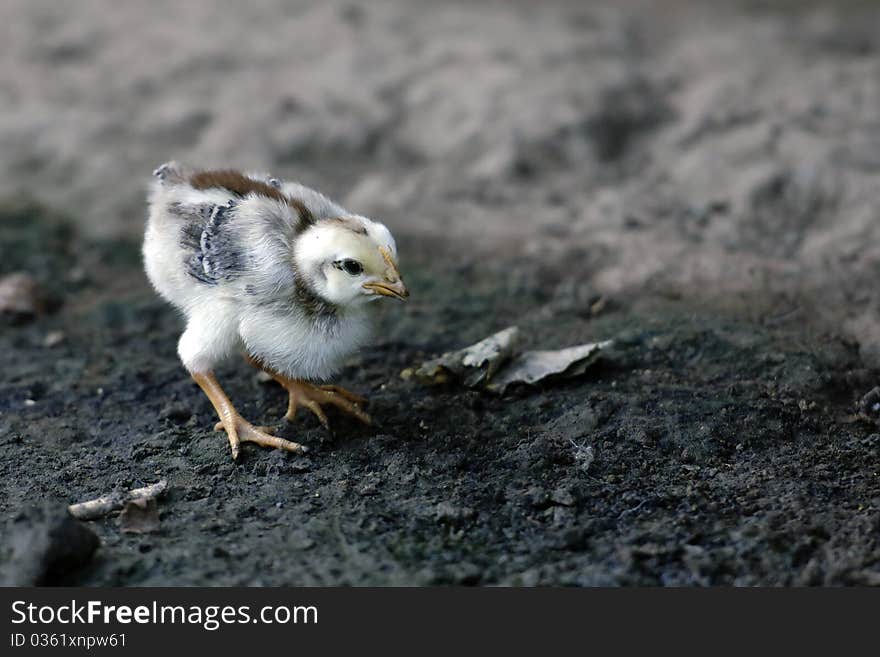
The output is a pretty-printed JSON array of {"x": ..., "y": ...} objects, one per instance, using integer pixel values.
[
  {"x": 392, "y": 285},
  {"x": 397, "y": 289}
]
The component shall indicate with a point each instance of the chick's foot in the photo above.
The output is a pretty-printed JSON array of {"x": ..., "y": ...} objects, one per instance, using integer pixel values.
[
  {"x": 239, "y": 430},
  {"x": 312, "y": 397}
]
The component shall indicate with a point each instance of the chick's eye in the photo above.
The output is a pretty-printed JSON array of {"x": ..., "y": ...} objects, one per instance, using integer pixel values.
[{"x": 352, "y": 267}]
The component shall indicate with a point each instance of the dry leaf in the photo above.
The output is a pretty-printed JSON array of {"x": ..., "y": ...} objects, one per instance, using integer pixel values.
[
  {"x": 475, "y": 364},
  {"x": 139, "y": 517},
  {"x": 495, "y": 363},
  {"x": 533, "y": 366}
]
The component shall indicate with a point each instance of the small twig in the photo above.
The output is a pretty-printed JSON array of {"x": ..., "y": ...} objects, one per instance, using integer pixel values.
[
  {"x": 772, "y": 320},
  {"x": 638, "y": 506},
  {"x": 109, "y": 503}
]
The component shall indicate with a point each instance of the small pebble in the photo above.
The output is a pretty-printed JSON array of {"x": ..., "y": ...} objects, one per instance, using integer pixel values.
[
  {"x": 21, "y": 296},
  {"x": 53, "y": 338}
]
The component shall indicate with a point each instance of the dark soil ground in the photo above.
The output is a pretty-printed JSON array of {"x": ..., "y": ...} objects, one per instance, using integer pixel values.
[
  {"x": 726, "y": 445},
  {"x": 707, "y": 173}
]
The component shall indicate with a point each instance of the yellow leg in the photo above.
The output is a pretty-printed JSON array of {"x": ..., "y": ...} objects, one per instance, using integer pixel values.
[
  {"x": 239, "y": 430},
  {"x": 301, "y": 393}
]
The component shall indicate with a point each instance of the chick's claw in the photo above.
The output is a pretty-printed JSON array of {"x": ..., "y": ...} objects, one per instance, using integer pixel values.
[
  {"x": 263, "y": 429},
  {"x": 312, "y": 397},
  {"x": 240, "y": 431},
  {"x": 347, "y": 394}
]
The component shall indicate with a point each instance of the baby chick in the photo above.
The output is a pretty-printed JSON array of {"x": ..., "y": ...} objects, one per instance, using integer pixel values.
[{"x": 270, "y": 269}]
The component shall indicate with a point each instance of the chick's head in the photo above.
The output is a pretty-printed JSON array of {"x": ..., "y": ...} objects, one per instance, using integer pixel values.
[{"x": 349, "y": 261}]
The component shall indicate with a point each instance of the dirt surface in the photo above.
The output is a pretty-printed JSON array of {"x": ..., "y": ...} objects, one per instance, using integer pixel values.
[{"x": 708, "y": 176}]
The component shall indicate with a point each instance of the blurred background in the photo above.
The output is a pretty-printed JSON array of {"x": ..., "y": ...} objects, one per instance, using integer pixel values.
[{"x": 648, "y": 146}]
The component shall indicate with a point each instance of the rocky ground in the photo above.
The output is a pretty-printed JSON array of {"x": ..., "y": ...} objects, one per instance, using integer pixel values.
[{"x": 698, "y": 184}]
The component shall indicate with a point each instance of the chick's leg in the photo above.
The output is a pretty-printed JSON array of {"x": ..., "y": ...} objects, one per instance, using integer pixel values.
[
  {"x": 239, "y": 430},
  {"x": 301, "y": 393}
]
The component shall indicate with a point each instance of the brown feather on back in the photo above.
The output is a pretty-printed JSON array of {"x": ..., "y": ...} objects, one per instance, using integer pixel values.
[{"x": 241, "y": 185}]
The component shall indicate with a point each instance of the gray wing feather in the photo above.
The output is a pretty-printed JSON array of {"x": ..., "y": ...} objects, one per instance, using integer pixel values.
[{"x": 214, "y": 254}]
